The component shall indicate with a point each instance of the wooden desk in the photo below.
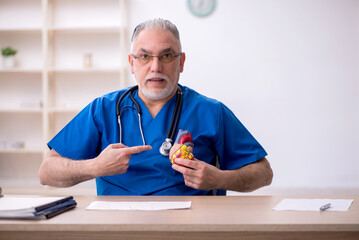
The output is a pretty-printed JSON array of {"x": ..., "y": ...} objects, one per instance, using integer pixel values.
[{"x": 235, "y": 217}]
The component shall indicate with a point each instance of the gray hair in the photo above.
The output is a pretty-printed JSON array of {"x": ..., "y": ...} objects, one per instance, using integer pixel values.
[{"x": 156, "y": 23}]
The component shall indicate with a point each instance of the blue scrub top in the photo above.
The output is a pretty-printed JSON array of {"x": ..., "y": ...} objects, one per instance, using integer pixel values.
[{"x": 214, "y": 128}]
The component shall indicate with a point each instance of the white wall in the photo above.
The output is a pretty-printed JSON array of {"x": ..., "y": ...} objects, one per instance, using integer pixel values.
[{"x": 289, "y": 69}]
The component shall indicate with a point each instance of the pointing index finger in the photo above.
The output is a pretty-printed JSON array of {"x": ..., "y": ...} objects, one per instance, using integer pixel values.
[{"x": 137, "y": 149}]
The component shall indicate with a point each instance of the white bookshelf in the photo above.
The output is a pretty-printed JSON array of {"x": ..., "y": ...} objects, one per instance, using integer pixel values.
[{"x": 50, "y": 84}]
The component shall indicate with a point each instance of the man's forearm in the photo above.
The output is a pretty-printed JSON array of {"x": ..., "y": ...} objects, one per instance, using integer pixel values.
[
  {"x": 62, "y": 172},
  {"x": 57, "y": 171},
  {"x": 248, "y": 178}
]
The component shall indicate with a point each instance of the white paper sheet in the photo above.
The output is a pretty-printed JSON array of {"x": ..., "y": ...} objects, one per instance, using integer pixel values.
[
  {"x": 313, "y": 204},
  {"x": 147, "y": 206}
]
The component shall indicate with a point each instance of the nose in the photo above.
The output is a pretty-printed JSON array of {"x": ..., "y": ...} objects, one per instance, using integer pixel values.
[{"x": 156, "y": 65}]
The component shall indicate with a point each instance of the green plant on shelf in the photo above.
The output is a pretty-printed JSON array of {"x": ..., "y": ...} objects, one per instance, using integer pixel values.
[{"x": 8, "y": 51}]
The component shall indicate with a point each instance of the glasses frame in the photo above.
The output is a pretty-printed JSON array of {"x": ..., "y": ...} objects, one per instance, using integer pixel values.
[{"x": 151, "y": 57}]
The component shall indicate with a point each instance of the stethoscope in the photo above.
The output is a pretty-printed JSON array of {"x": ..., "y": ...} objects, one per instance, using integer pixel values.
[{"x": 167, "y": 144}]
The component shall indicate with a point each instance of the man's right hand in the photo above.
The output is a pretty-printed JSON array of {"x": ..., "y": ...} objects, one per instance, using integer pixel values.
[
  {"x": 59, "y": 171},
  {"x": 115, "y": 158}
]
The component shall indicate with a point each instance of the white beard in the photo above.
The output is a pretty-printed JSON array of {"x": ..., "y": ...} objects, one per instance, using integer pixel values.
[{"x": 159, "y": 93}]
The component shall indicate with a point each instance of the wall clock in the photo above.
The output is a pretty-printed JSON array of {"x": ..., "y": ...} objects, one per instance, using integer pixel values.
[{"x": 201, "y": 8}]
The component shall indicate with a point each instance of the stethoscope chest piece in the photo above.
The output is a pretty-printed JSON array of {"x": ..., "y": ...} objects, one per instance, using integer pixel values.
[{"x": 166, "y": 147}]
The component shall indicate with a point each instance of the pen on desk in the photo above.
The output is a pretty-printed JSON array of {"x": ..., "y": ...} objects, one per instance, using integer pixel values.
[{"x": 324, "y": 207}]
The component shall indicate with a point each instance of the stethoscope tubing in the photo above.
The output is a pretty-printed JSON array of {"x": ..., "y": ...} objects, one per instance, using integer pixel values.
[
  {"x": 175, "y": 117},
  {"x": 139, "y": 124},
  {"x": 122, "y": 97}
]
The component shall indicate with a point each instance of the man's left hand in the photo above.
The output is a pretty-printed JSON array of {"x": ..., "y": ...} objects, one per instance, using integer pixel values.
[{"x": 198, "y": 174}]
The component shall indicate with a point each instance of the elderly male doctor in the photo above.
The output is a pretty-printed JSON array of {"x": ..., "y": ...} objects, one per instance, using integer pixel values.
[{"x": 94, "y": 145}]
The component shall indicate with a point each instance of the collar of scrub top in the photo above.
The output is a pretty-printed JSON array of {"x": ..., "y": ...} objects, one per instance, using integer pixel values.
[{"x": 167, "y": 144}]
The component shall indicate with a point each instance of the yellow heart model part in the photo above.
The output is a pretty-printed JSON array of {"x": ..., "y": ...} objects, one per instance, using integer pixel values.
[{"x": 182, "y": 152}]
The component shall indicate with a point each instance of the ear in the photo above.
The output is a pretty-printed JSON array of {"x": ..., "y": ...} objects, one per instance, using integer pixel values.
[
  {"x": 183, "y": 59},
  {"x": 130, "y": 60}
]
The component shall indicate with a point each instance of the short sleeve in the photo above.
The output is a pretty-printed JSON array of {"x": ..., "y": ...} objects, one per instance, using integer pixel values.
[
  {"x": 236, "y": 146},
  {"x": 79, "y": 139}
]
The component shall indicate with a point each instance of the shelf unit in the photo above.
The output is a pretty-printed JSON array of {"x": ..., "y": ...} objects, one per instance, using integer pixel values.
[{"x": 50, "y": 84}]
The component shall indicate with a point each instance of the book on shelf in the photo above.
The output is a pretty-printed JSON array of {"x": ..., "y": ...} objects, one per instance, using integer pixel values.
[{"x": 33, "y": 207}]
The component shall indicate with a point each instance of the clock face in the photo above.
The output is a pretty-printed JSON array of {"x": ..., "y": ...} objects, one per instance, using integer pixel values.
[{"x": 201, "y": 8}]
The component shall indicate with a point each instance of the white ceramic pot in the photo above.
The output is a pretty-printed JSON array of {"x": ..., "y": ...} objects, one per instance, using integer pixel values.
[{"x": 8, "y": 61}]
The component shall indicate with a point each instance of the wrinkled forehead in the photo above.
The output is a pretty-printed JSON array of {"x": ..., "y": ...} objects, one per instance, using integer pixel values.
[{"x": 155, "y": 39}]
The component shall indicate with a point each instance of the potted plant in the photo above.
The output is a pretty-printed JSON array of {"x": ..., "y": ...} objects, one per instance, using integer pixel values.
[{"x": 8, "y": 54}]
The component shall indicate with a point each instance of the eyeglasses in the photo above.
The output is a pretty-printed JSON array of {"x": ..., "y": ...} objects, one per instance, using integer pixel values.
[{"x": 145, "y": 58}]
